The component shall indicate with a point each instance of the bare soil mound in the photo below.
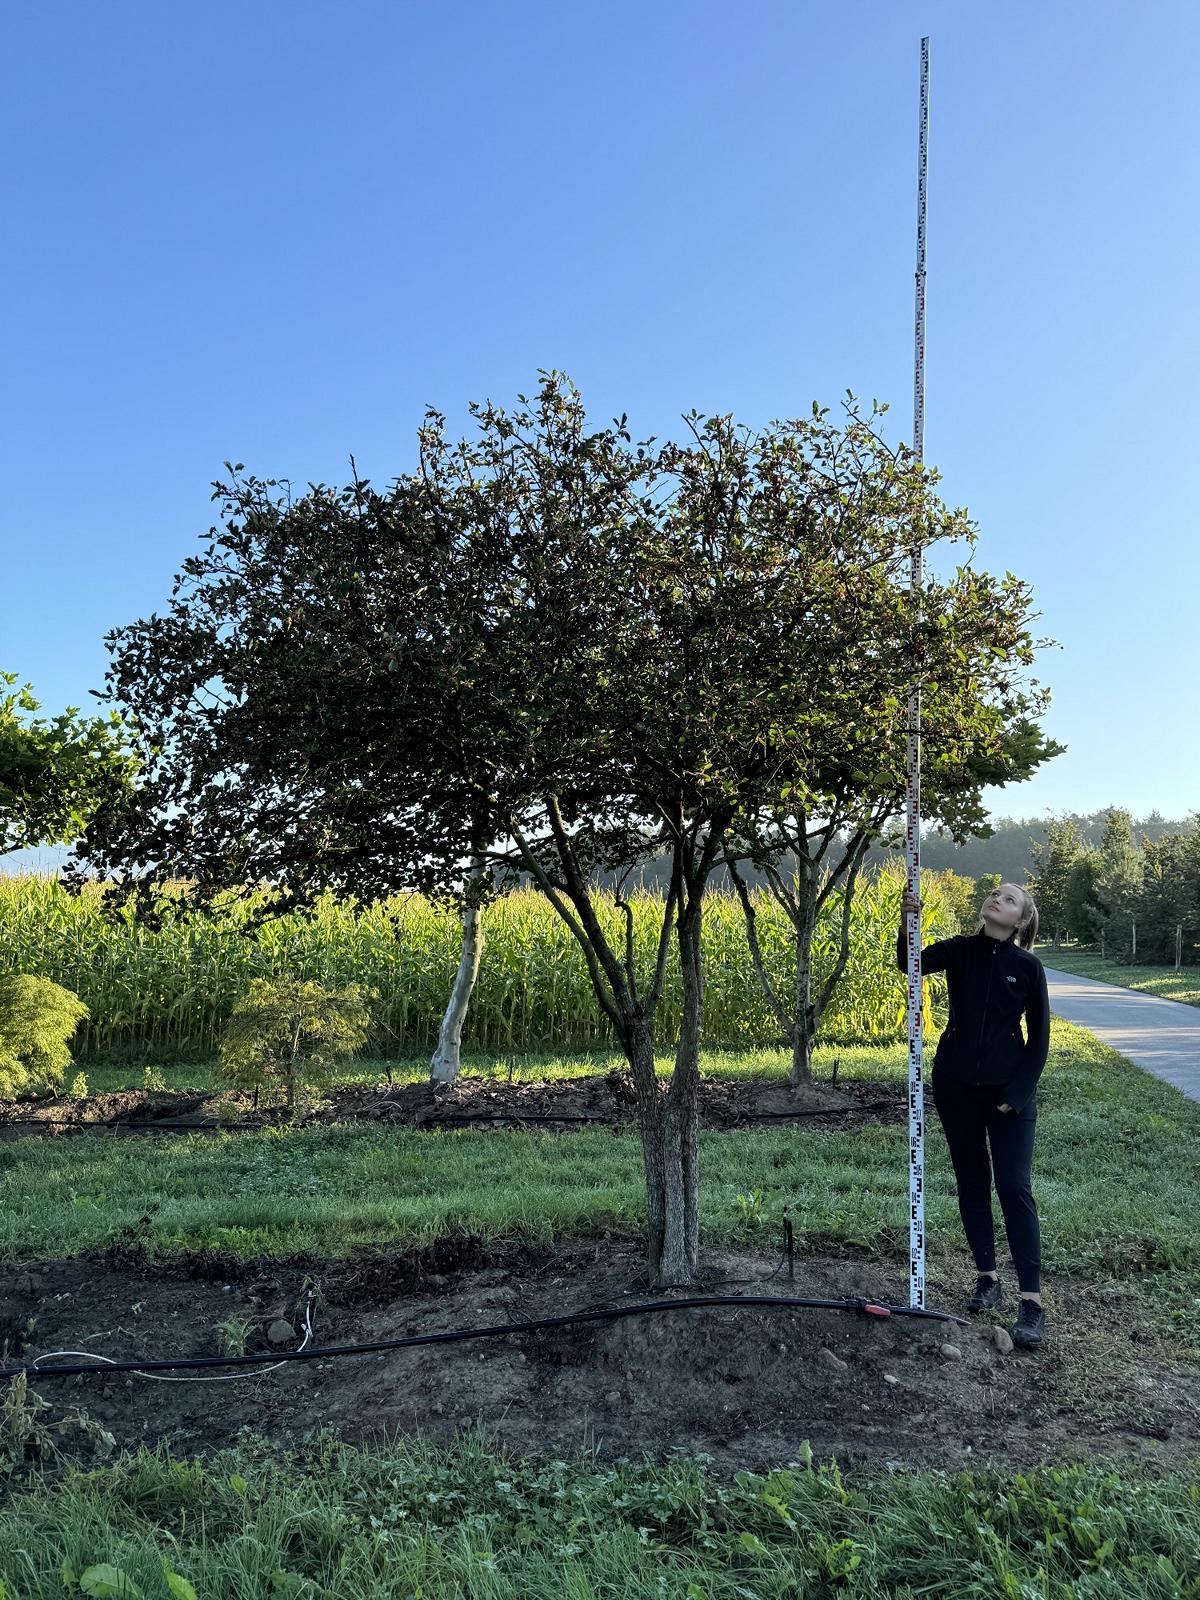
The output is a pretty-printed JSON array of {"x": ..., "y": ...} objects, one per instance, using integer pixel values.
[
  {"x": 605, "y": 1098},
  {"x": 746, "y": 1385}
]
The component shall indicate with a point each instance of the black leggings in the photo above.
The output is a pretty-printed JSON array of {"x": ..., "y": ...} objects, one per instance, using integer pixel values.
[{"x": 970, "y": 1116}]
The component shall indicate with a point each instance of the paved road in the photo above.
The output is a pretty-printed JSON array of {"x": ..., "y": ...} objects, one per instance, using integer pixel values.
[{"x": 1163, "y": 1036}]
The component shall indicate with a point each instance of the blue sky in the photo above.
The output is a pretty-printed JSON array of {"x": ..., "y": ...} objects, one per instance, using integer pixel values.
[{"x": 272, "y": 233}]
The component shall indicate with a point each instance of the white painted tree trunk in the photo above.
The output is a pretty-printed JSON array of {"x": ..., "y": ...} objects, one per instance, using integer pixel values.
[{"x": 445, "y": 1063}]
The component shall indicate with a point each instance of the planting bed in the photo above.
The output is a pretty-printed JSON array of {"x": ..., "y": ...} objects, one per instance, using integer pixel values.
[
  {"x": 608, "y": 1098},
  {"x": 748, "y": 1386}
]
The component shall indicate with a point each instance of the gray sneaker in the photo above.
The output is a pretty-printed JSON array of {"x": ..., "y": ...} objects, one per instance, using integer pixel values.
[{"x": 988, "y": 1293}]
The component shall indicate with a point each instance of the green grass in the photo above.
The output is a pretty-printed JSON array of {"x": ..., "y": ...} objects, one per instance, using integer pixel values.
[
  {"x": 1164, "y": 982},
  {"x": 1116, "y": 1176},
  {"x": 124, "y": 1070},
  {"x": 415, "y": 1521}
]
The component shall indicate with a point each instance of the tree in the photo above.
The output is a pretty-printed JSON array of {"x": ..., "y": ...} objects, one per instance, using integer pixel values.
[
  {"x": 1083, "y": 910},
  {"x": 969, "y": 751},
  {"x": 548, "y": 650},
  {"x": 447, "y": 1057},
  {"x": 290, "y": 1031},
  {"x": 56, "y": 774},
  {"x": 1169, "y": 896},
  {"x": 1118, "y": 881},
  {"x": 1053, "y": 862}
]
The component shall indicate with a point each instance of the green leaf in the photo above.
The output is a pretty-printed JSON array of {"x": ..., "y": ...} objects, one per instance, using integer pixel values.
[
  {"x": 179, "y": 1587},
  {"x": 103, "y": 1581}
]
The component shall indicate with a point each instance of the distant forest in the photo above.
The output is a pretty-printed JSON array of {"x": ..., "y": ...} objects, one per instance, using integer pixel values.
[{"x": 1008, "y": 851}]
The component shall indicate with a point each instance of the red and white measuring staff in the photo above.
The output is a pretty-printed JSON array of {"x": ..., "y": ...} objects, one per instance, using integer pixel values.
[{"x": 916, "y": 1080}]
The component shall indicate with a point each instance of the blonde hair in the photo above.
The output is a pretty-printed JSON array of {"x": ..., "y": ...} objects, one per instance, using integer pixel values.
[{"x": 1027, "y": 927}]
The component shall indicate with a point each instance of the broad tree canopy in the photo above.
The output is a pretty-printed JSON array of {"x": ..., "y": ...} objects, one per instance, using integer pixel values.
[{"x": 557, "y": 649}]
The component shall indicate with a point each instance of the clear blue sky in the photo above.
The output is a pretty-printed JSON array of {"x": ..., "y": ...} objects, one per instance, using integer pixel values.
[{"x": 272, "y": 233}]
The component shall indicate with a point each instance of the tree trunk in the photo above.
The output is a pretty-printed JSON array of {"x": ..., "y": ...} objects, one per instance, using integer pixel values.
[
  {"x": 802, "y": 1042},
  {"x": 803, "y": 1028},
  {"x": 445, "y": 1063},
  {"x": 670, "y": 1145},
  {"x": 672, "y": 1213}
]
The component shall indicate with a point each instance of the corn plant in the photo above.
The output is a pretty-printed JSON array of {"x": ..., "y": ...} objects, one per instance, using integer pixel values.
[{"x": 172, "y": 991}]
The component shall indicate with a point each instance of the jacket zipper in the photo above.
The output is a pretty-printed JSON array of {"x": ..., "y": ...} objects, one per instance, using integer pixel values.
[{"x": 983, "y": 1024}]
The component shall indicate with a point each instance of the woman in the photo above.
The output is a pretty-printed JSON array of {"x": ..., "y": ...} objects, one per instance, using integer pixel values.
[{"x": 984, "y": 1082}]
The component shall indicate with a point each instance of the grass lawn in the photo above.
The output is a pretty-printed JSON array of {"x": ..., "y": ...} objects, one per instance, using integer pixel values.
[
  {"x": 410, "y": 1522},
  {"x": 1164, "y": 982}
]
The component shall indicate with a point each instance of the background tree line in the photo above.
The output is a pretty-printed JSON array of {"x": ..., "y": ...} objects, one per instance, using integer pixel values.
[
  {"x": 1100, "y": 893},
  {"x": 1010, "y": 847}
]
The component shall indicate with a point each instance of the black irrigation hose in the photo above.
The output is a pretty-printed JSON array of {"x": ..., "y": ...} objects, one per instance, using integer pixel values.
[{"x": 196, "y": 1363}]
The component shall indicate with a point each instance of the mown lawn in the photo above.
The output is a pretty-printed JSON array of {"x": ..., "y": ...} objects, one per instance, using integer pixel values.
[{"x": 1164, "y": 982}]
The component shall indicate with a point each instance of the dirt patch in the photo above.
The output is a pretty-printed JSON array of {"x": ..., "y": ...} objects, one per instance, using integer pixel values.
[
  {"x": 746, "y": 1385},
  {"x": 608, "y": 1099}
]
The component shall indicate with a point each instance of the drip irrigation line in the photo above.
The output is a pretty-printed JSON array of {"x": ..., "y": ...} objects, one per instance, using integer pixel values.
[
  {"x": 713, "y": 1283},
  {"x": 455, "y": 1335}
]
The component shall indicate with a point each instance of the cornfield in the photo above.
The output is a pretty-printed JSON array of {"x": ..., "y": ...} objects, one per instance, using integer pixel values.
[{"x": 170, "y": 992}]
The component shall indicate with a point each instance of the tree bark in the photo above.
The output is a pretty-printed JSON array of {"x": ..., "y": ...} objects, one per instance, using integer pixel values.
[
  {"x": 802, "y": 1042},
  {"x": 445, "y": 1064},
  {"x": 668, "y": 1119},
  {"x": 804, "y": 1021}
]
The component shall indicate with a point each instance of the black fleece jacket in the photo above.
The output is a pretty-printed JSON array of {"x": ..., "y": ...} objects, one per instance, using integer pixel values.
[{"x": 991, "y": 983}]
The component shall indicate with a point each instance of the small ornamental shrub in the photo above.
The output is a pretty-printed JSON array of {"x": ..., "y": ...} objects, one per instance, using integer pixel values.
[
  {"x": 285, "y": 1032},
  {"x": 37, "y": 1021}
]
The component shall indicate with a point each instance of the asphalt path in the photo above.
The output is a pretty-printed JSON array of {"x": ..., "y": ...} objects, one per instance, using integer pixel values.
[{"x": 1161, "y": 1036}]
